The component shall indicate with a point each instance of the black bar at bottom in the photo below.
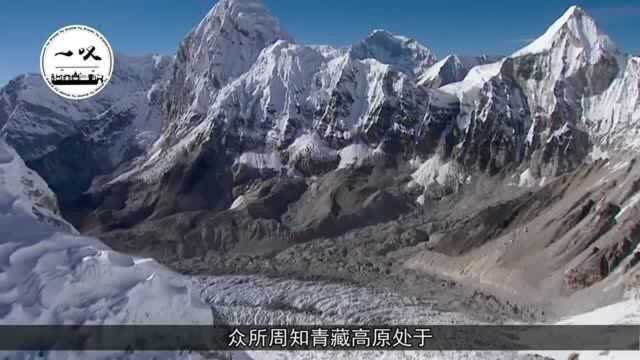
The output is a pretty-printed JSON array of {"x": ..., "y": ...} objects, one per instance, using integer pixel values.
[{"x": 338, "y": 337}]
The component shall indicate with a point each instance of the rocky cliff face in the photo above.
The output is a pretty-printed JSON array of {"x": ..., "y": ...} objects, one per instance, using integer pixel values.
[
  {"x": 22, "y": 188},
  {"x": 527, "y": 107},
  {"x": 222, "y": 47},
  {"x": 280, "y": 93},
  {"x": 538, "y": 96}
]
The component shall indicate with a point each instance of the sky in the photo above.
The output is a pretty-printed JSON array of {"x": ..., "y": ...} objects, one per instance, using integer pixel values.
[{"x": 466, "y": 27}]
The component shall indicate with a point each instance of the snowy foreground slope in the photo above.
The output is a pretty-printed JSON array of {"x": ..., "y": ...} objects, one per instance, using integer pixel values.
[
  {"x": 51, "y": 275},
  {"x": 623, "y": 313}
]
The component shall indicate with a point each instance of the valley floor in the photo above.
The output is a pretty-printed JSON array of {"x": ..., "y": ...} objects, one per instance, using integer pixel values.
[
  {"x": 355, "y": 261},
  {"x": 243, "y": 299},
  {"x": 257, "y": 299}
]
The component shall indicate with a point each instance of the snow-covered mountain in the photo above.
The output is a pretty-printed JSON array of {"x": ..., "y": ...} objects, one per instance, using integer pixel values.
[
  {"x": 22, "y": 187},
  {"x": 530, "y": 106},
  {"x": 533, "y": 104},
  {"x": 241, "y": 86},
  {"x": 613, "y": 117},
  {"x": 401, "y": 53},
  {"x": 249, "y": 151},
  {"x": 280, "y": 91},
  {"x": 222, "y": 47},
  {"x": 302, "y": 107},
  {"x": 452, "y": 68},
  {"x": 82, "y": 139}
]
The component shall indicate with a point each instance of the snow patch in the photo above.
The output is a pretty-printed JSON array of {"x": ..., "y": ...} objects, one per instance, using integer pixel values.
[
  {"x": 598, "y": 154},
  {"x": 437, "y": 172},
  {"x": 156, "y": 60},
  {"x": 452, "y": 68},
  {"x": 152, "y": 91},
  {"x": 311, "y": 146},
  {"x": 354, "y": 155},
  {"x": 474, "y": 81},
  {"x": 558, "y": 133},
  {"x": 239, "y": 202},
  {"x": 255, "y": 160},
  {"x": 626, "y": 312},
  {"x": 629, "y": 204},
  {"x": 527, "y": 180}
]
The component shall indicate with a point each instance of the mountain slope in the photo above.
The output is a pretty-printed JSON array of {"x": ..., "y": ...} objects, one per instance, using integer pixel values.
[
  {"x": 53, "y": 276},
  {"x": 222, "y": 47},
  {"x": 613, "y": 117},
  {"x": 23, "y": 188},
  {"x": 542, "y": 90},
  {"x": 282, "y": 91},
  {"x": 402, "y": 53},
  {"x": 71, "y": 142},
  {"x": 452, "y": 68},
  {"x": 295, "y": 109}
]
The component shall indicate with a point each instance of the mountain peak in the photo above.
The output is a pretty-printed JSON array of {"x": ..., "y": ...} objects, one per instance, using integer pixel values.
[
  {"x": 403, "y": 53},
  {"x": 247, "y": 14},
  {"x": 573, "y": 13},
  {"x": 574, "y": 10},
  {"x": 241, "y": 5},
  {"x": 452, "y": 68},
  {"x": 574, "y": 28},
  {"x": 383, "y": 34},
  {"x": 380, "y": 37}
]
